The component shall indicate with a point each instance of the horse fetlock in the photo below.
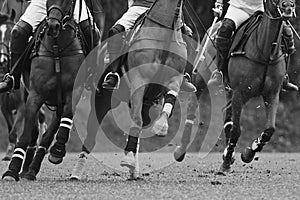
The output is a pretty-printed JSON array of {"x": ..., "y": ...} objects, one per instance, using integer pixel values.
[
  {"x": 229, "y": 154},
  {"x": 161, "y": 126},
  {"x": 257, "y": 145}
]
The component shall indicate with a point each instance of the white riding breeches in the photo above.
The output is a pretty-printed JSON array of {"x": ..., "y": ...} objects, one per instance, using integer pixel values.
[
  {"x": 132, "y": 14},
  {"x": 240, "y": 10},
  {"x": 36, "y": 12},
  {"x": 237, "y": 15}
]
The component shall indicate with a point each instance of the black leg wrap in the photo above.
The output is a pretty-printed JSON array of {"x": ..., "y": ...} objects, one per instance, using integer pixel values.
[
  {"x": 28, "y": 158},
  {"x": 266, "y": 135},
  {"x": 37, "y": 161},
  {"x": 132, "y": 143}
]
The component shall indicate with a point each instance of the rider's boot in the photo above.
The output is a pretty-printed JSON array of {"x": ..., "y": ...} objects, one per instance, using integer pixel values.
[
  {"x": 19, "y": 41},
  {"x": 223, "y": 43},
  {"x": 288, "y": 38},
  {"x": 114, "y": 48},
  {"x": 91, "y": 35},
  {"x": 187, "y": 84}
]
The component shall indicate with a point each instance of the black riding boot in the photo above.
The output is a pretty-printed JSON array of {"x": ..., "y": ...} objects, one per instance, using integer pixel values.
[
  {"x": 223, "y": 43},
  {"x": 114, "y": 48},
  {"x": 288, "y": 39},
  {"x": 187, "y": 84},
  {"x": 91, "y": 35},
  {"x": 19, "y": 41}
]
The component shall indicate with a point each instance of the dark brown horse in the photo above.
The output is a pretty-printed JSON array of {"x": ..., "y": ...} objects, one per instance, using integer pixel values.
[
  {"x": 13, "y": 103},
  {"x": 259, "y": 72},
  {"x": 51, "y": 79}
]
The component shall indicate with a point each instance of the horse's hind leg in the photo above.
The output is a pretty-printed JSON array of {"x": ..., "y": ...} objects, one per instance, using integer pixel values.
[
  {"x": 271, "y": 104},
  {"x": 228, "y": 156},
  {"x": 33, "y": 104},
  {"x": 45, "y": 143},
  {"x": 58, "y": 150},
  {"x": 180, "y": 151}
]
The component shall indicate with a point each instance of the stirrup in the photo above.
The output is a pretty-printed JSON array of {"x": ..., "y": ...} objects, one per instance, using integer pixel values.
[
  {"x": 118, "y": 79},
  {"x": 8, "y": 76}
]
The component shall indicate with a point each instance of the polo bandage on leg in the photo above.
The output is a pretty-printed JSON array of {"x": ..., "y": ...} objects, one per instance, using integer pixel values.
[
  {"x": 19, "y": 153},
  {"x": 66, "y": 123},
  {"x": 170, "y": 100}
]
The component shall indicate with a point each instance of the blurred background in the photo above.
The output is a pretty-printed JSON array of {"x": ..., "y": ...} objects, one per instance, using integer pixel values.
[{"x": 287, "y": 135}]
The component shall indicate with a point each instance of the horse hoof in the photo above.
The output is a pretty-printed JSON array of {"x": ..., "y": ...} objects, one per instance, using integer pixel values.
[
  {"x": 179, "y": 154},
  {"x": 225, "y": 168},
  {"x": 10, "y": 176},
  {"x": 58, "y": 150},
  {"x": 75, "y": 178},
  {"x": 130, "y": 161},
  {"x": 30, "y": 175},
  {"x": 23, "y": 173},
  {"x": 247, "y": 155},
  {"x": 54, "y": 159},
  {"x": 6, "y": 158}
]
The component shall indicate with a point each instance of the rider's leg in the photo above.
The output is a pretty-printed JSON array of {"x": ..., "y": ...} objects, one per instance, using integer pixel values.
[
  {"x": 19, "y": 40},
  {"x": 114, "y": 46},
  {"x": 288, "y": 38},
  {"x": 115, "y": 43},
  {"x": 223, "y": 43},
  {"x": 91, "y": 35},
  {"x": 187, "y": 85}
]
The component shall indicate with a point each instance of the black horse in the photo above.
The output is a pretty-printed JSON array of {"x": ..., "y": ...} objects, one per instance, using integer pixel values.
[{"x": 53, "y": 70}]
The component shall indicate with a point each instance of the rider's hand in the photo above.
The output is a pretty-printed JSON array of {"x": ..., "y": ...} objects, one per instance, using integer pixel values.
[{"x": 218, "y": 9}]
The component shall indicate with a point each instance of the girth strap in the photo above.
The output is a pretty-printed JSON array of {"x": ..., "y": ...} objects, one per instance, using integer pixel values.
[{"x": 59, "y": 110}]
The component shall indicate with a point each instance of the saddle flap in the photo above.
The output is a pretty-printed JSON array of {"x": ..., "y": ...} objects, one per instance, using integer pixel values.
[{"x": 243, "y": 33}]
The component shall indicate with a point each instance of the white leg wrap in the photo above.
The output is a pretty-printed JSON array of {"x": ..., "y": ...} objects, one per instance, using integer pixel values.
[
  {"x": 66, "y": 123},
  {"x": 188, "y": 121},
  {"x": 168, "y": 108}
]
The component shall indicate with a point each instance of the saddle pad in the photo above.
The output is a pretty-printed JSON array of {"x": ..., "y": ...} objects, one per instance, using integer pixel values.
[
  {"x": 244, "y": 32},
  {"x": 162, "y": 16}
]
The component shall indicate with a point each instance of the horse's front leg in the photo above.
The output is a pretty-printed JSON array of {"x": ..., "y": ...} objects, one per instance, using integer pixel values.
[
  {"x": 58, "y": 150},
  {"x": 235, "y": 132},
  {"x": 271, "y": 104},
  {"x": 45, "y": 143},
  {"x": 161, "y": 125},
  {"x": 130, "y": 159},
  {"x": 33, "y": 104},
  {"x": 180, "y": 151}
]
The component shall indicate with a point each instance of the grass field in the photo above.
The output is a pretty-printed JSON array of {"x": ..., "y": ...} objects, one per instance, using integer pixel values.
[{"x": 271, "y": 176}]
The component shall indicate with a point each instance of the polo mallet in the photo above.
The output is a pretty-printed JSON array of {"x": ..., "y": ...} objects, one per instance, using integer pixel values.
[{"x": 218, "y": 12}]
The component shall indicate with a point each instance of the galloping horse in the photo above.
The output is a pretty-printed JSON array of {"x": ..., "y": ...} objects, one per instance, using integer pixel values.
[
  {"x": 155, "y": 64},
  {"x": 13, "y": 102},
  {"x": 258, "y": 71},
  {"x": 53, "y": 70}
]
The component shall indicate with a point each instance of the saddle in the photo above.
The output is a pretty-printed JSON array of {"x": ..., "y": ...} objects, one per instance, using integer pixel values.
[{"x": 243, "y": 33}]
